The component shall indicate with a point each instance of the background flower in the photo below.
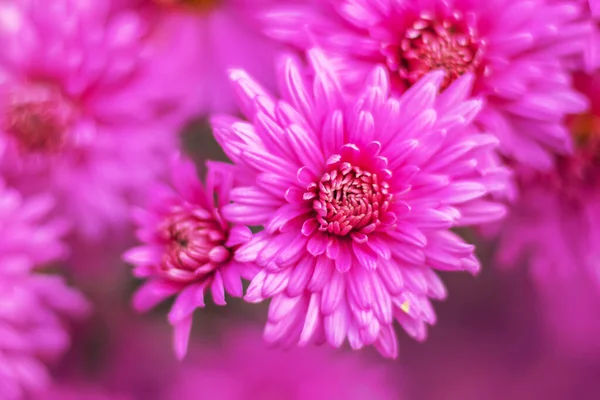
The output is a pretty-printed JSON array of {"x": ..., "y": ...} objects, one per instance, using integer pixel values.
[
  {"x": 34, "y": 304},
  {"x": 82, "y": 100}
]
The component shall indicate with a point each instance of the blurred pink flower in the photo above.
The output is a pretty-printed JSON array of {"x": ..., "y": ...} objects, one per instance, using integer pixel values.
[
  {"x": 242, "y": 368},
  {"x": 555, "y": 220},
  {"x": 357, "y": 199},
  {"x": 32, "y": 304},
  {"x": 225, "y": 34},
  {"x": 84, "y": 111},
  {"x": 515, "y": 48},
  {"x": 188, "y": 247}
]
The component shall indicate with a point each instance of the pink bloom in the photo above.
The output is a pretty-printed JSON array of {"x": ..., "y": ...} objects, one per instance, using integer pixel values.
[
  {"x": 244, "y": 369},
  {"x": 555, "y": 220},
  {"x": 188, "y": 247},
  {"x": 84, "y": 112},
  {"x": 515, "y": 48},
  {"x": 357, "y": 199},
  {"x": 33, "y": 305},
  {"x": 224, "y": 34}
]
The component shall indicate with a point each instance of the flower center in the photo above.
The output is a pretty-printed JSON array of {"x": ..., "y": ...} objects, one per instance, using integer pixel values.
[
  {"x": 198, "y": 5},
  {"x": 38, "y": 121},
  {"x": 430, "y": 44},
  {"x": 195, "y": 245},
  {"x": 348, "y": 199}
]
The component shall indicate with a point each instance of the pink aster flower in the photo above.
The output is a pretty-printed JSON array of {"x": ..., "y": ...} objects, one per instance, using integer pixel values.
[
  {"x": 515, "y": 49},
  {"x": 242, "y": 368},
  {"x": 225, "y": 34},
  {"x": 357, "y": 199},
  {"x": 82, "y": 100},
  {"x": 555, "y": 220},
  {"x": 33, "y": 305},
  {"x": 188, "y": 247}
]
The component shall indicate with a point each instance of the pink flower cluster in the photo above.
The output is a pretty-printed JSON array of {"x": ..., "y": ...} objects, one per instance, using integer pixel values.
[{"x": 362, "y": 141}]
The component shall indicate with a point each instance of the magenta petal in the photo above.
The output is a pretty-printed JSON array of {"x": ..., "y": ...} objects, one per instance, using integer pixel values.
[
  {"x": 317, "y": 244},
  {"x": 333, "y": 293},
  {"x": 365, "y": 256},
  {"x": 321, "y": 275},
  {"x": 184, "y": 304},
  {"x": 239, "y": 234},
  {"x": 333, "y": 247},
  {"x": 300, "y": 276},
  {"x": 312, "y": 321},
  {"x": 253, "y": 294},
  {"x": 387, "y": 344},
  {"x": 218, "y": 290},
  {"x": 231, "y": 279},
  {"x": 275, "y": 283},
  {"x": 343, "y": 262},
  {"x": 181, "y": 337},
  {"x": 152, "y": 293},
  {"x": 336, "y": 326}
]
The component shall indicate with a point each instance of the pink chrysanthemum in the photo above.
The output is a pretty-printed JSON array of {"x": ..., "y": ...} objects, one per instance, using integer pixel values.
[
  {"x": 225, "y": 34},
  {"x": 515, "y": 49},
  {"x": 82, "y": 99},
  {"x": 555, "y": 220},
  {"x": 357, "y": 200},
  {"x": 188, "y": 247},
  {"x": 244, "y": 369},
  {"x": 32, "y": 304}
]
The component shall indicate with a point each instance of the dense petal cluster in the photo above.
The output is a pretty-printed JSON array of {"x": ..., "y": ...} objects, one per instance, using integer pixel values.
[
  {"x": 244, "y": 368},
  {"x": 357, "y": 198},
  {"x": 82, "y": 99},
  {"x": 188, "y": 247},
  {"x": 517, "y": 50},
  {"x": 34, "y": 305}
]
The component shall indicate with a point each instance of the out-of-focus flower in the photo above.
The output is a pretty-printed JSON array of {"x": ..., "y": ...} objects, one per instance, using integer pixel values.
[
  {"x": 555, "y": 220},
  {"x": 555, "y": 226},
  {"x": 82, "y": 99},
  {"x": 515, "y": 48},
  {"x": 33, "y": 304},
  {"x": 188, "y": 247},
  {"x": 242, "y": 368},
  {"x": 357, "y": 200},
  {"x": 224, "y": 34}
]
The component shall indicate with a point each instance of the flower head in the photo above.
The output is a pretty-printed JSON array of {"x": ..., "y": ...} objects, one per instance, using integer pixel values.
[
  {"x": 357, "y": 198},
  {"x": 555, "y": 218},
  {"x": 34, "y": 305},
  {"x": 188, "y": 247},
  {"x": 82, "y": 101},
  {"x": 243, "y": 368},
  {"x": 516, "y": 51}
]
